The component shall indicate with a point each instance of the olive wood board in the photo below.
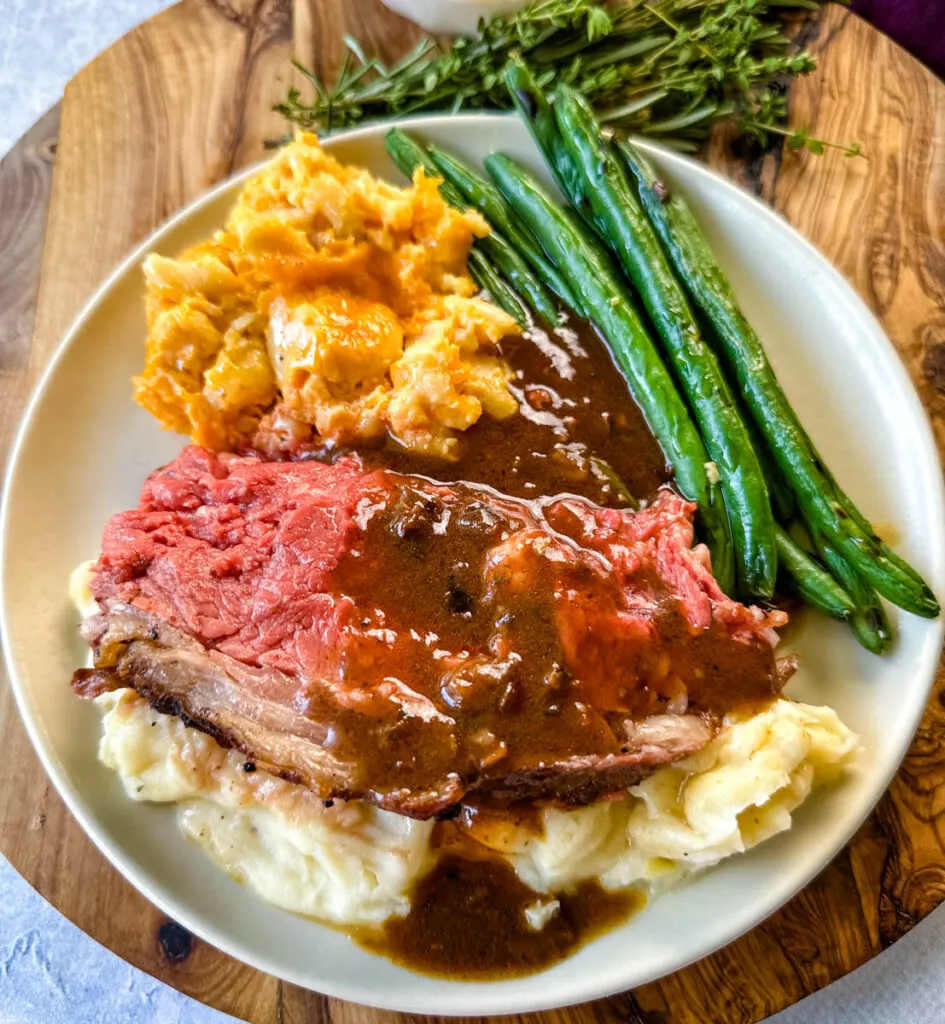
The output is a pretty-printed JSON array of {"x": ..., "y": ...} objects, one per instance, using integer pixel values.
[{"x": 183, "y": 101}]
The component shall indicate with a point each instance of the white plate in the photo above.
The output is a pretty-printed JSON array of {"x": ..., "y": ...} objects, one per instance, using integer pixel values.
[{"x": 85, "y": 449}]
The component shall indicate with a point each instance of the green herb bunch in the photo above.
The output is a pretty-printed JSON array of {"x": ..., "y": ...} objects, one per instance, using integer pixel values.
[{"x": 669, "y": 69}]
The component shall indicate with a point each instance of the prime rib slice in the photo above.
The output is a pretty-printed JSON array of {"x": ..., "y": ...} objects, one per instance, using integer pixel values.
[{"x": 384, "y": 637}]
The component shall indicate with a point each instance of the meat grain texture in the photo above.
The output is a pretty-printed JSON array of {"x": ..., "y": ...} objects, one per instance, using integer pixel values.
[{"x": 549, "y": 649}]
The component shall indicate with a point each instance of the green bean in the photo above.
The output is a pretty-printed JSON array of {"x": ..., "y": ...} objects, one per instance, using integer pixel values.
[
  {"x": 783, "y": 502},
  {"x": 782, "y": 497},
  {"x": 604, "y": 469},
  {"x": 535, "y": 110},
  {"x": 408, "y": 154},
  {"x": 482, "y": 195},
  {"x": 518, "y": 273},
  {"x": 604, "y": 191},
  {"x": 825, "y": 507},
  {"x": 601, "y": 291},
  {"x": 487, "y": 277},
  {"x": 813, "y": 583},
  {"x": 537, "y": 114},
  {"x": 857, "y": 516},
  {"x": 868, "y": 621}
]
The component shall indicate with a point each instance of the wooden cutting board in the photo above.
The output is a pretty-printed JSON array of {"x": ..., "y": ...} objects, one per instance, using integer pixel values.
[{"x": 183, "y": 101}]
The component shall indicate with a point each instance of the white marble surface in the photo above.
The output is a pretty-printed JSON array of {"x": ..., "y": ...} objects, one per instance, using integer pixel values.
[
  {"x": 51, "y": 973},
  {"x": 42, "y": 45}
]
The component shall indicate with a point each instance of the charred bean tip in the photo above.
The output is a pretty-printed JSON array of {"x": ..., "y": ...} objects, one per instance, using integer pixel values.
[{"x": 528, "y": 102}]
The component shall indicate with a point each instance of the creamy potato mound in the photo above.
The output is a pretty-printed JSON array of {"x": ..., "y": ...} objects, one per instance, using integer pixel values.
[
  {"x": 347, "y": 864},
  {"x": 352, "y": 864},
  {"x": 739, "y": 790},
  {"x": 341, "y": 297}
]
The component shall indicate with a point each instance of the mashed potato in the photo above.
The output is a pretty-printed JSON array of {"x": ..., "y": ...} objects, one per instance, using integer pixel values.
[
  {"x": 343, "y": 297},
  {"x": 347, "y": 863},
  {"x": 736, "y": 792},
  {"x": 352, "y": 864}
]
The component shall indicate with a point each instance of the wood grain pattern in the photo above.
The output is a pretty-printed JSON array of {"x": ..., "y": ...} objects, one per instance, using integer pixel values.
[
  {"x": 25, "y": 181},
  {"x": 171, "y": 108},
  {"x": 320, "y": 25},
  {"x": 184, "y": 100}
]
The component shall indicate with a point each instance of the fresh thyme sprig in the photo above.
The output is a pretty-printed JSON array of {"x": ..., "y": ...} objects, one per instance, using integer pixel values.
[{"x": 669, "y": 69}]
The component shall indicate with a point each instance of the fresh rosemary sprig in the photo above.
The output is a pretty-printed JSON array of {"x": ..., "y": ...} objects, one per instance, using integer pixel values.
[{"x": 669, "y": 69}]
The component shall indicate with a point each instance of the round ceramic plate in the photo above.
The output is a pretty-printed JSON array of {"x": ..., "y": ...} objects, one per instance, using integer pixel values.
[{"x": 85, "y": 449}]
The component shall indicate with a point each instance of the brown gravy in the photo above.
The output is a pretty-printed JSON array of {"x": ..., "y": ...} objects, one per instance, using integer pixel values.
[
  {"x": 578, "y": 430},
  {"x": 467, "y": 922},
  {"x": 523, "y": 652}
]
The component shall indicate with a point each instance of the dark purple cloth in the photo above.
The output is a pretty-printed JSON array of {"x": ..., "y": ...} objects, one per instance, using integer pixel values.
[{"x": 917, "y": 25}]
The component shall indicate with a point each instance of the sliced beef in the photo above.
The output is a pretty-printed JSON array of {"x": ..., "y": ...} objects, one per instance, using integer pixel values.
[{"x": 380, "y": 636}]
